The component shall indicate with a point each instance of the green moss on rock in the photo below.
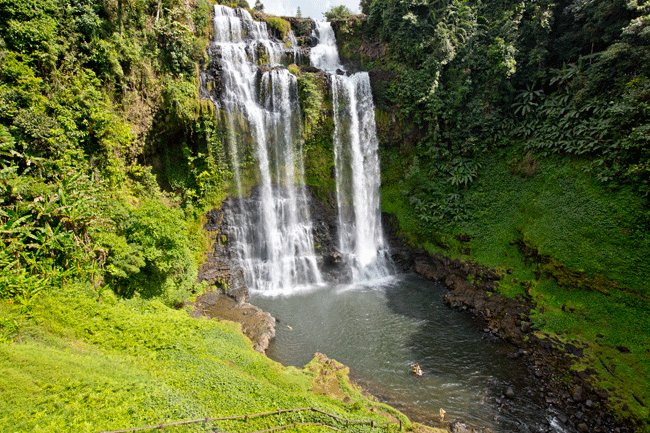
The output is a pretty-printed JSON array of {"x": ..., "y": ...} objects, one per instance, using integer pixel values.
[{"x": 318, "y": 130}]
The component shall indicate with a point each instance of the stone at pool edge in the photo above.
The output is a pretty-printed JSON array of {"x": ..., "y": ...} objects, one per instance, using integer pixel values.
[{"x": 257, "y": 325}]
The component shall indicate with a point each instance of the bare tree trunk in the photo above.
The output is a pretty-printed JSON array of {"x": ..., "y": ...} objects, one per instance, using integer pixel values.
[{"x": 120, "y": 7}]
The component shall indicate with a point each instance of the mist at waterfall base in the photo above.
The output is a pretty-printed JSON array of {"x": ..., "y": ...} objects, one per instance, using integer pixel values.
[{"x": 374, "y": 321}]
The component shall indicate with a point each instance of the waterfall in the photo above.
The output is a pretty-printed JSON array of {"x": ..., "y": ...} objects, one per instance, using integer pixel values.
[
  {"x": 270, "y": 226},
  {"x": 325, "y": 55},
  {"x": 361, "y": 239},
  {"x": 271, "y": 229}
]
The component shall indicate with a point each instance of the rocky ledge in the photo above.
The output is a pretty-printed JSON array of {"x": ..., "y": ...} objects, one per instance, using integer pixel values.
[
  {"x": 257, "y": 325},
  {"x": 228, "y": 295},
  {"x": 227, "y": 298}
]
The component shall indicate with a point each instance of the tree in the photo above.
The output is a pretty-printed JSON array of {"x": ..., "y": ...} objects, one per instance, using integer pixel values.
[
  {"x": 259, "y": 6},
  {"x": 339, "y": 12},
  {"x": 299, "y": 13}
]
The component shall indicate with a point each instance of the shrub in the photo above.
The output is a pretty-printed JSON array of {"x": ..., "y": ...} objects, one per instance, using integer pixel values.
[
  {"x": 311, "y": 100},
  {"x": 340, "y": 12},
  {"x": 294, "y": 69},
  {"x": 153, "y": 256},
  {"x": 279, "y": 26}
]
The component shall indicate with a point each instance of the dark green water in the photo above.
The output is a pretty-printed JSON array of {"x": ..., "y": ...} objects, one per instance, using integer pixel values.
[{"x": 380, "y": 331}]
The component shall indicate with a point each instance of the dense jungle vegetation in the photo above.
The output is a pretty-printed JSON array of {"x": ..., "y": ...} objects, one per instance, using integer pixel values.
[
  {"x": 98, "y": 101},
  {"x": 515, "y": 135}
]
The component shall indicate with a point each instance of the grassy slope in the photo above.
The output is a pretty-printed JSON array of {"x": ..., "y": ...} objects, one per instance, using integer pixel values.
[
  {"x": 575, "y": 222},
  {"x": 83, "y": 364}
]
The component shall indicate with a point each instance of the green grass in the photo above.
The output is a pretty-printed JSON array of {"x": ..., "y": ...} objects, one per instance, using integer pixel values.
[
  {"x": 564, "y": 214},
  {"x": 279, "y": 25},
  {"x": 601, "y": 323},
  {"x": 75, "y": 362},
  {"x": 593, "y": 238}
]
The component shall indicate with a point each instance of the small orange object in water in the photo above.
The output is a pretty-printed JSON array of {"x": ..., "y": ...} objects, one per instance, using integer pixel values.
[{"x": 416, "y": 370}]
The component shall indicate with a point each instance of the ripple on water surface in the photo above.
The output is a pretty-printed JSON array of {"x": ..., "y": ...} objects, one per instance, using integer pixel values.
[{"x": 380, "y": 331}]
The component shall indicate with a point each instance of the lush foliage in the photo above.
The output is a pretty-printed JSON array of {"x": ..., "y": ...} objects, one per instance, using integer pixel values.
[
  {"x": 464, "y": 77},
  {"x": 98, "y": 101},
  {"x": 318, "y": 129},
  {"x": 339, "y": 12},
  {"x": 279, "y": 25},
  {"x": 82, "y": 363}
]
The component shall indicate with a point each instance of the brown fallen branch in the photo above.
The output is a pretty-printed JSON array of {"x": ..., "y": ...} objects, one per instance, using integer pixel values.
[
  {"x": 297, "y": 424},
  {"x": 246, "y": 417}
]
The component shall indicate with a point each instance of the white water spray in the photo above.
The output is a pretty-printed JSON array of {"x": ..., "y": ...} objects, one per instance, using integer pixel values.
[
  {"x": 360, "y": 233},
  {"x": 272, "y": 229}
]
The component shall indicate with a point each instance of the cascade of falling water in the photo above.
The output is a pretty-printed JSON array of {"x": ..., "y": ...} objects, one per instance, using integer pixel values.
[
  {"x": 361, "y": 239},
  {"x": 272, "y": 229}
]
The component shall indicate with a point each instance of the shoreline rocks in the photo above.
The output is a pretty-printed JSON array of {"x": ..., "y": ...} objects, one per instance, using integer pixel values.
[
  {"x": 229, "y": 296},
  {"x": 257, "y": 325},
  {"x": 553, "y": 382},
  {"x": 220, "y": 268},
  {"x": 569, "y": 393}
]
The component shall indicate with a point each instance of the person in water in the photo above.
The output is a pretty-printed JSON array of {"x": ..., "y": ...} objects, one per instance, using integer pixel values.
[{"x": 417, "y": 370}]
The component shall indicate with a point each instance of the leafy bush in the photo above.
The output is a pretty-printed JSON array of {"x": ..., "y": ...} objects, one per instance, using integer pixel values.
[
  {"x": 279, "y": 26},
  {"x": 44, "y": 226},
  {"x": 339, "y": 12},
  {"x": 310, "y": 88},
  {"x": 176, "y": 45},
  {"x": 294, "y": 69},
  {"x": 163, "y": 261},
  {"x": 610, "y": 133}
]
